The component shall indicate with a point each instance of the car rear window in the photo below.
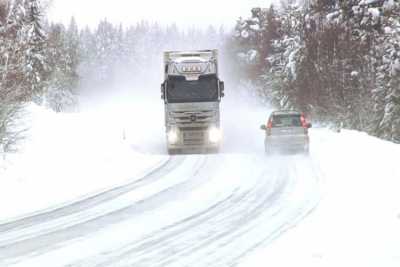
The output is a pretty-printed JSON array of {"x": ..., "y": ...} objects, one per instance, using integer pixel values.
[{"x": 284, "y": 120}]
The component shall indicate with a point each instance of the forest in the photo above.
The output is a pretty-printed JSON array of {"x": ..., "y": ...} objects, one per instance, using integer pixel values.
[{"x": 338, "y": 61}]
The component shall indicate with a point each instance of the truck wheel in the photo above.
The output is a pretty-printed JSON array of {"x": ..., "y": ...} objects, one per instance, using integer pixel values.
[
  {"x": 172, "y": 151},
  {"x": 213, "y": 150}
]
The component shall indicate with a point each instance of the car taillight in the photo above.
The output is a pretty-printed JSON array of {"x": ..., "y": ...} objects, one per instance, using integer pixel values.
[
  {"x": 304, "y": 124},
  {"x": 269, "y": 127},
  {"x": 303, "y": 121}
]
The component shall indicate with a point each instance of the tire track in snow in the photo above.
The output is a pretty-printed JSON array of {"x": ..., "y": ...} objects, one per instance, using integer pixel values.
[
  {"x": 83, "y": 203},
  {"x": 299, "y": 214},
  {"x": 40, "y": 241},
  {"x": 212, "y": 237}
]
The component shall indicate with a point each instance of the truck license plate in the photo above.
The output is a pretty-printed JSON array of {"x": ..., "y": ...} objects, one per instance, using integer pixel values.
[{"x": 193, "y": 135}]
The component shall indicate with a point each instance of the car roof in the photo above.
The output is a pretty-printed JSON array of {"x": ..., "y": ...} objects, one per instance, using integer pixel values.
[{"x": 286, "y": 112}]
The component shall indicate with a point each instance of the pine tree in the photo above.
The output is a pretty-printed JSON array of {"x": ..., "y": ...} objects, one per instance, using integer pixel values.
[
  {"x": 36, "y": 68},
  {"x": 334, "y": 58},
  {"x": 105, "y": 47},
  {"x": 87, "y": 56},
  {"x": 387, "y": 94},
  {"x": 63, "y": 51},
  {"x": 22, "y": 64}
]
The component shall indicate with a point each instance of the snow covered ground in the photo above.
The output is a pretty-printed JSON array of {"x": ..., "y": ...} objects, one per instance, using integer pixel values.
[
  {"x": 96, "y": 189},
  {"x": 358, "y": 220},
  {"x": 66, "y": 157}
]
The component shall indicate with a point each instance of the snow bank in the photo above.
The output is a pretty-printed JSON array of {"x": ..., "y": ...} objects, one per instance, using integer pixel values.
[
  {"x": 358, "y": 220},
  {"x": 66, "y": 157}
]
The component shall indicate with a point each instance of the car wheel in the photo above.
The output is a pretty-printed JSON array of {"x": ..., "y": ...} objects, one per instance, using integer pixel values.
[{"x": 268, "y": 150}]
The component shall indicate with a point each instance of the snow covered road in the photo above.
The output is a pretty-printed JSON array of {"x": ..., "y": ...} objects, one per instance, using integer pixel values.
[
  {"x": 126, "y": 203},
  {"x": 194, "y": 210}
]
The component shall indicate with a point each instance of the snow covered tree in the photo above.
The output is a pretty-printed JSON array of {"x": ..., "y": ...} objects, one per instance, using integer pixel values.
[
  {"x": 63, "y": 54},
  {"x": 335, "y": 59},
  {"x": 8, "y": 106},
  {"x": 247, "y": 33},
  {"x": 284, "y": 56},
  {"x": 36, "y": 68},
  {"x": 23, "y": 68},
  {"x": 386, "y": 95},
  {"x": 87, "y": 55},
  {"x": 105, "y": 48}
]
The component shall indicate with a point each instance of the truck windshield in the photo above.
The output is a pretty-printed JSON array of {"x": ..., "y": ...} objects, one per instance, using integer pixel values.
[{"x": 205, "y": 89}]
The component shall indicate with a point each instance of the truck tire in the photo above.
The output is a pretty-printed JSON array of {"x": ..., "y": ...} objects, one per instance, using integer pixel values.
[
  {"x": 172, "y": 151},
  {"x": 213, "y": 150}
]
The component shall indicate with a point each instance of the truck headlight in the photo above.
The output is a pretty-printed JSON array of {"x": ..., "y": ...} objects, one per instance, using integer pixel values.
[
  {"x": 173, "y": 136},
  {"x": 214, "y": 135}
]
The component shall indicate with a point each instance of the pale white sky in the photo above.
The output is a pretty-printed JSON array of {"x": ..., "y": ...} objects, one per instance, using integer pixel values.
[{"x": 184, "y": 13}]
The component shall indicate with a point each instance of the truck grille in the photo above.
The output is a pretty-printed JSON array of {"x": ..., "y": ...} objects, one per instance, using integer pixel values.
[
  {"x": 194, "y": 125},
  {"x": 184, "y": 117},
  {"x": 194, "y": 137},
  {"x": 193, "y": 128}
]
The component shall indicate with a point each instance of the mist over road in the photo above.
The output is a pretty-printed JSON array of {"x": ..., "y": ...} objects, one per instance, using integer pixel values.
[
  {"x": 187, "y": 210},
  {"x": 236, "y": 208}
]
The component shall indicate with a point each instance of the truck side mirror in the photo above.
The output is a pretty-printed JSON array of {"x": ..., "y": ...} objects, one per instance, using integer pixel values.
[
  {"x": 222, "y": 88},
  {"x": 163, "y": 90},
  {"x": 263, "y": 127}
]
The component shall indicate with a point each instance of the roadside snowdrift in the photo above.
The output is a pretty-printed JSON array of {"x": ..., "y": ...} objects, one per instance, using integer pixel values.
[
  {"x": 358, "y": 220},
  {"x": 68, "y": 156}
]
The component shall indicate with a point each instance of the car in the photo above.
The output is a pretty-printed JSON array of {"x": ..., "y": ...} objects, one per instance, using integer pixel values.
[{"x": 286, "y": 131}]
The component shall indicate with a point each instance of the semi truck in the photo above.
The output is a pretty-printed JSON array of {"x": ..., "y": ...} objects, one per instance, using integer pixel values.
[{"x": 192, "y": 92}]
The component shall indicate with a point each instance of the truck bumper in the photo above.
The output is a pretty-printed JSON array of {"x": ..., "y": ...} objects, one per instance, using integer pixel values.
[
  {"x": 193, "y": 150},
  {"x": 194, "y": 142}
]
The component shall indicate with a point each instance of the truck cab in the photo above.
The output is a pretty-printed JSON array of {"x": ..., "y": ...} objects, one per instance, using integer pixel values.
[{"x": 192, "y": 92}]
